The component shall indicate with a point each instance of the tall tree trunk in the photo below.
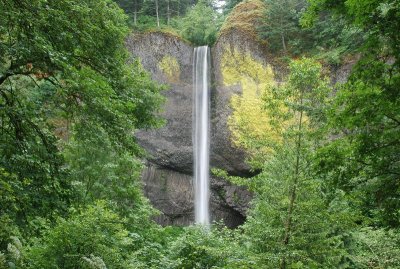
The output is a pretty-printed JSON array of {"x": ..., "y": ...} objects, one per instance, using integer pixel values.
[
  {"x": 158, "y": 18},
  {"x": 135, "y": 12},
  {"x": 292, "y": 195},
  {"x": 168, "y": 12},
  {"x": 283, "y": 42}
]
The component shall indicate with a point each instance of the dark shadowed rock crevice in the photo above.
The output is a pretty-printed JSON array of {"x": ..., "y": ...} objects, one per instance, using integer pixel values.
[{"x": 171, "y": 192}]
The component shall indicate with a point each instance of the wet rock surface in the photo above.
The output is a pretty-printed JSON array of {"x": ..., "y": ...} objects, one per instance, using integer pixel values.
[
  {"x": 168, "y": 177},
  {"x": 168, "y": 180},
  {"x": 171, "y": 192},
  {"x": 224, "y": 154},
  {"x": 171, "y": 145}
]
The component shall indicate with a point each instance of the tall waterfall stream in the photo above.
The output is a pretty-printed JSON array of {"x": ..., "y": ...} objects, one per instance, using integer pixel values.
[{"x": 201, "y": 136}]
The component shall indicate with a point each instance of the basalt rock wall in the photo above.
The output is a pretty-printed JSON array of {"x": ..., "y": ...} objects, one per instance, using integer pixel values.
[
  {"x": 168, "y": 175},
  {"x": 241, "y": 69}
]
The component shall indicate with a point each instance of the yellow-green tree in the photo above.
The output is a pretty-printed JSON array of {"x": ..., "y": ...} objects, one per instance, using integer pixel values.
[{"x": 291, "y": 225}]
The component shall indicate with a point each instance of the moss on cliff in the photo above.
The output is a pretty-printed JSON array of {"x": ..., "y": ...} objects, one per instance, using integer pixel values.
[
  {"x": 244, "y": 18},
  {"x": 249, "y": 122},
  {"x": 168, "y": 32},
  {"x": 170, "y": 67}
]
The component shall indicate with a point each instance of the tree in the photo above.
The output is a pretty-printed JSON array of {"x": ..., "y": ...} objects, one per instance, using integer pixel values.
[
  {"x": 162, "y": 12},
  {"x": 95, "y": 236},
  {"x": 100, "y": 171},
  {"x": 364, "y": 160},
  {"x": 200, "y": 25},
  {"x": 280, "y": 25},
  {"x": 132, "y": 8},
  {"x": 292, "y": 222},
  {"x": 330, "y": 39},
  {"x": 229, "y": 5},
  {"x": 64, "y": 65},
  {"x": 306, "y": 93}
]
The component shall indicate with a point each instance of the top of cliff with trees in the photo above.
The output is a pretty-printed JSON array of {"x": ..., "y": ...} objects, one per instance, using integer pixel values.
[{"x": 278, "y": 24}]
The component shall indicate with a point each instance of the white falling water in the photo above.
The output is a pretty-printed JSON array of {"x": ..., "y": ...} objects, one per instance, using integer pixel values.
[{"x": 201, "y": 142}]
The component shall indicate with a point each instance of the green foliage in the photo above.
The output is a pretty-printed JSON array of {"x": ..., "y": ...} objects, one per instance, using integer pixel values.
[
  {"x": 333, "y": 39},
  {"x": 99, "y": 171},
  {"x": 295, "y": 222},
  {"x": 230, "y": 4},
  {"x": 200, "y": 25},
  {"x": 146, "y": 22},
  {"x": 306, "y": 89},
  {"x": 165, "y": 14},
  {"x": 194, "y": 247},
  {"x": 65, "y": 83},
  {"x": 280, "y": 25},
  {"x": 330, "y": 38},
  {"x": 35, "y": 183},
  {"x": 291, "y": 224},
  {"x": 363, "y": 160},
  {"x": 71, "y": 99},
  {"x": 13, "y": 257},
  {"x": 199, "y": 247},
  {"x": 318, "y": 227},
  {"x": 376, "y": 248},
  {"x": 379, "y": 20},
  {"x": 94, "y": 236},
  {"x": 10, "y": 188},
  {"x": 373, "y": 13},
  {"x": 364, "y": 157}
]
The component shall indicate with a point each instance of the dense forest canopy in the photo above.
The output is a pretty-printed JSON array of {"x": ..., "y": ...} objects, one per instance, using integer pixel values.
[{"x": 327, "y": 194}]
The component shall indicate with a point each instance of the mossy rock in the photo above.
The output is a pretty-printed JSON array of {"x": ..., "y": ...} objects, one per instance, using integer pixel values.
[
  {"x": 256, "y": 81},
  {"x": 244, "y": 18},
  {"x": 170, "y": 67}
]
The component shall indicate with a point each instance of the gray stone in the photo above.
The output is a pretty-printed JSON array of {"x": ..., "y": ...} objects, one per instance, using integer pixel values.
[
  {"x": 340, "y": 74},
  {"x": 168, "y": 177},
  {"x": 171, "y": 192},
  {"x": 224, "y": 155},
  {"x": 171, "y": 145}
]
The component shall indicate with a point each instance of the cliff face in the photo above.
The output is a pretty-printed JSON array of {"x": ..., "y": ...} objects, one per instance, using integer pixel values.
[
  {"x": 168, "y": 176},
  {"x": 169, "y": 60},
  {"x": 239, "y": 67},
  {"x": 242, "y": 69}
]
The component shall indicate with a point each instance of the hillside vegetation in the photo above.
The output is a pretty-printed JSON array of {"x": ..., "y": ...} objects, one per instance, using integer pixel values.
[{"x": 327, "y": 194}]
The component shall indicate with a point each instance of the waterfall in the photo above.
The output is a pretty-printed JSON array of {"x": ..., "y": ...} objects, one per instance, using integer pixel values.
[{"x": 201, "y": 143}]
